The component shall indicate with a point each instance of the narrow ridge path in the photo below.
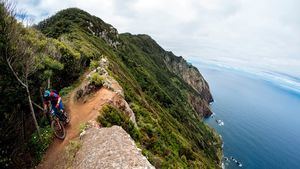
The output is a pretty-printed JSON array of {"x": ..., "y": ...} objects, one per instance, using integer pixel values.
[{"x": 80, "y": 113}]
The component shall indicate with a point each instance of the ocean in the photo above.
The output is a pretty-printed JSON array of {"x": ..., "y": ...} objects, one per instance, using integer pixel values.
[{"x": 261, "y": 120}]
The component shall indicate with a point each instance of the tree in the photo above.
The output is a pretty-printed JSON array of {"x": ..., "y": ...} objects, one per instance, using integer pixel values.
[{"x": 18, "y": 53}]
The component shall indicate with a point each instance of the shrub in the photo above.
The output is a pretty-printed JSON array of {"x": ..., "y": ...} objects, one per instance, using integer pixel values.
[
  {"x": 66, "y": 90},
  {"x": 83, "y": 127},
  {"x": 39, "y": 146},
  {"x": 94, "y": 64},
  {"x": 52, "y": 63},
  {"x": 110, "y": 116},
  {"x": 96, "y": 79}
]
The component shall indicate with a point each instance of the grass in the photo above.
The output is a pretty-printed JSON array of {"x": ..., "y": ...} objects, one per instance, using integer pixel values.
[{"x": 71, "y": 150}]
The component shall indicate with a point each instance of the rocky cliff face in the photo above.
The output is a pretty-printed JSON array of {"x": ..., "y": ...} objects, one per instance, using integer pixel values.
[
  {"x": 193, "y": 77},
  {"x": 189, "y": 74}
]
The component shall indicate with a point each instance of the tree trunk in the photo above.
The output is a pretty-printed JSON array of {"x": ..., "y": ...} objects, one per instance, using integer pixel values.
[
  {"x": 48, "y": 80},
  {"x": 23, "y": 126},
  {"x": 32, "y": 112}
]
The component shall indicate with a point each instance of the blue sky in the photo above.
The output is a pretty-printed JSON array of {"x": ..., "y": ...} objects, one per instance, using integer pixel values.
[{"x": 252, "y": 35}]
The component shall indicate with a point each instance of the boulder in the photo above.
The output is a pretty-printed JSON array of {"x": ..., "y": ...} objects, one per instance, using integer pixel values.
[{"x": 108, "y": 148}]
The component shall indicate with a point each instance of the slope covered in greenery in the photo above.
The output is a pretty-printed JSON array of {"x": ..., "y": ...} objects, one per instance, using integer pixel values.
[{"x": 170, "y": 130}]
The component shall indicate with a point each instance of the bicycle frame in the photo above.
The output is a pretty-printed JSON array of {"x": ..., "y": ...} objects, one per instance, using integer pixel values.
[{"x": 54, "y": 117}]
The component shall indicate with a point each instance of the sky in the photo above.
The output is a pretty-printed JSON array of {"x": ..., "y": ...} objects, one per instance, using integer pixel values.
[{"x": 261, "y": 36}]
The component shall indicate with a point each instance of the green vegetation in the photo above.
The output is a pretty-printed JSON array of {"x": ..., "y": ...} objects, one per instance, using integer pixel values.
[
  {"x": 67, "y": 20},
  {"x": 83, "y": 127},
  {"x": 110, "y": 116},
  {"x": 64, "y": 92},
  {"x": 39, "y": 146},
  {"x": 96, "y": 79},
  {"x": 94, "y": 64},
  {"x": 171, "y": 134},
  {"x": 33, "y": 58},
  {"x": 168, "y": 129}
]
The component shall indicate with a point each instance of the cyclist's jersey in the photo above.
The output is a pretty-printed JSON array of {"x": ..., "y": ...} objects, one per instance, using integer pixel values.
[{"x": 53, "y": 98}]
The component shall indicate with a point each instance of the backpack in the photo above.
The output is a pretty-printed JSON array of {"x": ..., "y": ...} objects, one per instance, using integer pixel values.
[{"x": 55, "y": 91}]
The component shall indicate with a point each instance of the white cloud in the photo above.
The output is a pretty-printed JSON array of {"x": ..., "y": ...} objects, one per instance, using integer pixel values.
[{"x": 261, "y": 34}]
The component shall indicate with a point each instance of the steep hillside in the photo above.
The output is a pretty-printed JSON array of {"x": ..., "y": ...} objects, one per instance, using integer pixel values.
[
  {"x": 167, "y": 67},
  {"x": 167, "y": 102},
  {"x": 168, "y": 97}
]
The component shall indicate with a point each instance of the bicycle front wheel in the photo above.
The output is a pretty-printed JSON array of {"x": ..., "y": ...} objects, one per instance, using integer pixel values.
[{"x": 59, "y": 130}]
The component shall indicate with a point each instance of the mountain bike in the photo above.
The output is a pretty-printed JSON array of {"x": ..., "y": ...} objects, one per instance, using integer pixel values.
[{"x": 58, "y": 121}]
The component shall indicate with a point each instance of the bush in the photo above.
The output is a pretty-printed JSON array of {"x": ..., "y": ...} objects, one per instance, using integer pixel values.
[
  {"x": 110, "y": 116},
  {"x": 96, "y": 79},
  {"x": 94, "y": 64},
  {"x": 66, "y": 90},
  {"x": 39, "y": 146},
  {"x": 83, "y": 127}
]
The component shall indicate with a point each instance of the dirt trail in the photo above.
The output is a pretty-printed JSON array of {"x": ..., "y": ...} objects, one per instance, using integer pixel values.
[{"x": 80, "y": 113}]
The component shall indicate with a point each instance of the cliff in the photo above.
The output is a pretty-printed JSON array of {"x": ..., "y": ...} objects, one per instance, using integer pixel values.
[
  {"x": 189, "y": 74},
  {"x": 193, "y": 77},
  {"x": 199, "y": 95}
]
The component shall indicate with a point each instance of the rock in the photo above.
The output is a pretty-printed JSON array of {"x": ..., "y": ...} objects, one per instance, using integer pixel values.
[
  {"x": 85, "y": 90},
  {"x": 82, "y": 134},
  {"x": 109, "y": 148},
  {"x": 200, "y": 106},
  {"x": 103, "y": 62},
  {"x": 202, "y": 97},
  {"x": 189, "y": 74},
  {"x": 122, "y": 104},
  {"x": 101, "y": 71},
  {"x": 107, "y": 84}
]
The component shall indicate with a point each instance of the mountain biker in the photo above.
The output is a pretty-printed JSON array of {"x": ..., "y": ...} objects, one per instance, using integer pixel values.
[{"x": 53, "y": 100}]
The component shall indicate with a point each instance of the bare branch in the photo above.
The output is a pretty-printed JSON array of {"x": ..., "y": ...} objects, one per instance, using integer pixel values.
[
  {"x": 38, "y": 106},
  {"x": 15, "y": 74}
]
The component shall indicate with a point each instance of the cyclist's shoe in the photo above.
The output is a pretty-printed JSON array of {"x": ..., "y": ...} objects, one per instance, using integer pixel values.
[
  {"x": 67, "y": 118},
  {"x": 64, "y": 116}
]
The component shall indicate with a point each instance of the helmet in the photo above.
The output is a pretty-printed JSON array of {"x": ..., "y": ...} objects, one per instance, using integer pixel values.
[{"x": 46, "y": 93}]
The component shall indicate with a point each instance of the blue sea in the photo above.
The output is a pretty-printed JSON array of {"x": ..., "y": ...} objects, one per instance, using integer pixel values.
[{"x": 261, "y": 119}]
